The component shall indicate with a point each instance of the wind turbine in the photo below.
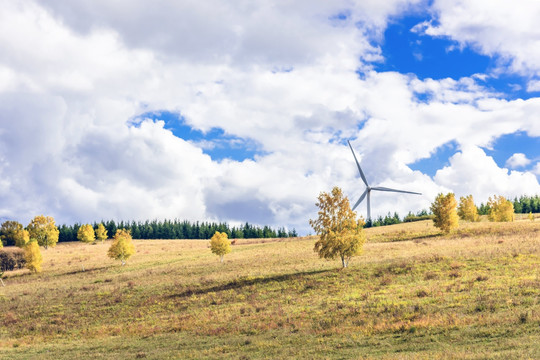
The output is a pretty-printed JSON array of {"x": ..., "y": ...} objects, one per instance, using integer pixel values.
[{"x": 369, "y": 188}]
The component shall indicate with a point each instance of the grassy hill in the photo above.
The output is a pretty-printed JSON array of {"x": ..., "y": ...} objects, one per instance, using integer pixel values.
[{"x": 412, "y": 294}]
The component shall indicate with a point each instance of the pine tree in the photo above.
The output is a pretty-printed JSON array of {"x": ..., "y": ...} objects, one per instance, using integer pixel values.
[
  {"x": 444, "y": 211},
  {"x": 340, "y": 234}
]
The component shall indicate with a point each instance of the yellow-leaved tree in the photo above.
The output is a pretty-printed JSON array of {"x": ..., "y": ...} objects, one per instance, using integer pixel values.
[
  {"x": 9, "y": 231},
  {"x": 220, "y": 244},
  {"x": 467, "y": 210},
  {"x": 500, "y": 209},
  {"x": 101, "y": 233},
  {"x": 530, "y": 216},
  {"x": 444, "y": 212},
  {"x": 33, "y": 256},
  {"x": 122, "y": 247},
  {"x": 340, "y": 234},
  {"x": 86, "y": 234},
  {"x": 43, "y": 229},
  {"x": 22, "y": 237}
]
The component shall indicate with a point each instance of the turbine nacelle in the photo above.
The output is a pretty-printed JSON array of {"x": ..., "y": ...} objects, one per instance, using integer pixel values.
[{"x": 367, "y": 192}]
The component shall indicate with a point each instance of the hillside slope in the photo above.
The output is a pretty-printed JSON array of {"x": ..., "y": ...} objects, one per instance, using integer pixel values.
[{"x": 412, "y": 293}]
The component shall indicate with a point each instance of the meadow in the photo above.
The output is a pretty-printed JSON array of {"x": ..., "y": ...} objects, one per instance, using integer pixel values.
[{"x": 413, "y": 293}]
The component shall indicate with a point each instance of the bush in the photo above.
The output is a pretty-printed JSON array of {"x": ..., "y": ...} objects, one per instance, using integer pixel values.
[{"x": 12, "y": 259}]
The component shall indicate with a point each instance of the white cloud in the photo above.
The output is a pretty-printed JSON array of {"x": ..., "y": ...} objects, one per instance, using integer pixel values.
[
  {"x": 508, "y": 29},
  {"x": 471, "y": 171},
  {"x": 72, "y": 75},
  {"x": 533, "y": 85},
  {"x": 517, "y": 160},
  {"x": 536, "y": 169}
]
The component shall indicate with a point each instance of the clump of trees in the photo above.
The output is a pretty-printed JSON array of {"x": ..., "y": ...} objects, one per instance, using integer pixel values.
[
  {"x": 467, "y": 210},
  {"x": 500, "y": 209},
  {"x": 122, "y": 247},
  {"x": 340, "y": 234},
  {"x": 13, "y": 233},
  {"x": 527, "y": 204},
  {"x": 445, "y": 213},
  {"x": 220, "y": 245}
]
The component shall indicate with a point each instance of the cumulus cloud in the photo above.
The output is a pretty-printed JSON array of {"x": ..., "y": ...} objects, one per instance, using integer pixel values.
[
  {"x": 281, "y": 75},
  {"x": 471, "y": 171},
  {"x": 517, "y": 160},
  {"x": 497, "y": 27}
]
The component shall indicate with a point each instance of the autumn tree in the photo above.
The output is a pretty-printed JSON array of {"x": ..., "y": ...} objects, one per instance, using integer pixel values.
[
  {"x": 444, "y": 211},
  {"x": 500, "y": 209},
  {"x": 22, "y": 237},
  {"x": 467, "y": 210},
  {"x": 220, "y": 244},
  {"x": 340, "y": 234},
  {"x": 33, "y": 256},
  {"x": 86, "y": 234},
  {"x": 43, "y": 229},
  {"x": 101, "y": 233},
  {"x": 122, "y": 247},
  {"x": 530, "y": 216},
  {"x": 9, "y": 231}
]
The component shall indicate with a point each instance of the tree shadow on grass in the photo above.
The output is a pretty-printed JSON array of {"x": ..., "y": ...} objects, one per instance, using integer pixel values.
[
  {"x": 88, "y": 270},
  {"x": 249, "y": 281}
]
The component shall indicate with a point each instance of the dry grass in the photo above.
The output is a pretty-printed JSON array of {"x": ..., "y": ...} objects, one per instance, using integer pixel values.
[{"x": 413, "y": 293}]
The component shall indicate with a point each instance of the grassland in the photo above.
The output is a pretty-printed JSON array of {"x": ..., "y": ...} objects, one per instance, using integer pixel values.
[{"x": 412, "y": 294}]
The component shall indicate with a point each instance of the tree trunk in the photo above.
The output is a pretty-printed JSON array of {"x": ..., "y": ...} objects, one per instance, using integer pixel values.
[
  {"x": 221, "y": 258},
  {"x": 343, "y": 262}
]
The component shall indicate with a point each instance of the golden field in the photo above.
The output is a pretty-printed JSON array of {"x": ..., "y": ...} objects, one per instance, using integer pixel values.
[{"x": 413, "y": 293}]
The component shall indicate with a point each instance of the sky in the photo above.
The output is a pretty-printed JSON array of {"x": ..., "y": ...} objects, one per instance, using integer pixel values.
[{"x": 241, "y": 110}]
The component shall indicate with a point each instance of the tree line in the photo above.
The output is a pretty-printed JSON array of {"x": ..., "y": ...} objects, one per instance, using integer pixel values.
[
  {"x": 522, "y": 205},
  {"x": 176, "y": 229}
]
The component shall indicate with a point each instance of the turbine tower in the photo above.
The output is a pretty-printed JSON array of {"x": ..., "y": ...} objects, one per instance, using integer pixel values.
[{"x": 369, "y": 188}]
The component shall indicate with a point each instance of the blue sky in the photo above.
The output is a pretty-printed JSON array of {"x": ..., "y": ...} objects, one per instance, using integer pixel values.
[{"x": 217, "y": 111}]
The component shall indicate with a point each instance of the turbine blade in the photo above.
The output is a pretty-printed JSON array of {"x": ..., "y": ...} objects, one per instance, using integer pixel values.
[
  {"x": 358, "y": 164},
  {"x": 360, "y": 200},
  {"x": 382, "y": 188}
]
